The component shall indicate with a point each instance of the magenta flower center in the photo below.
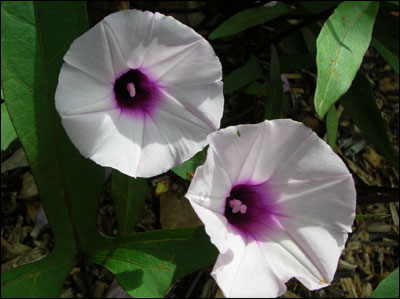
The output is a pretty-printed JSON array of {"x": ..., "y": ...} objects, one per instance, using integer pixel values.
[
  {"x": 252, "y": 209},
  {"x": 134, "y": 91}
]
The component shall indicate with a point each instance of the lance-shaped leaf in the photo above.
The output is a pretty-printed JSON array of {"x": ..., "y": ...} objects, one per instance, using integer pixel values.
[
  {"x": 41, "y": 279},
  {"x": 359, "y": 102},
  {"x": 386, "y": 45},
  {"x": 290, "y": 63},
  {"x": 341, "y": 45},
  {"x": 249, "y": 18},
  {"x": 145, "y": 264},
  {"x": 242, "y": 76},
  {"x": 34, "y": 38},
  {"x": 389, "y": 287},
  {"x": 332, "y": 125},
  {"x": 8, "y": 134},
  {"x": 129, "y": 195},
  {"x": 274, "y": 99},
  {"x": 317, "y": 7}
]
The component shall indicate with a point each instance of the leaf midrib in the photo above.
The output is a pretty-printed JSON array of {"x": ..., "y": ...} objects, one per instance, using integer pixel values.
[{"x": 340, "y": 51}]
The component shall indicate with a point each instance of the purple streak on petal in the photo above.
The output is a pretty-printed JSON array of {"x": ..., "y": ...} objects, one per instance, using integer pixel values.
[
  {"x": 286, "y": 83},
  {"x": 148, "y": 93},
  {"x": 262, "y": 213}
]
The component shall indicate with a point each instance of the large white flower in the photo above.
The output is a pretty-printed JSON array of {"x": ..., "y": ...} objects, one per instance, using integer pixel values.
[
  {"x": 277, "y": 202},
  {"x": 140, "y": 92}
]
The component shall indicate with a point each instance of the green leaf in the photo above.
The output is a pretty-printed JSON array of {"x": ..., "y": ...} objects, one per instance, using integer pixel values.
[
  {"x": 187, "y": 169},
  {"x": 385, "y": 44},
  {"x": 242, "y": 76},
  {"x": 145, "y": 264},
  {"x": 255, "y": 89},
  {"x": 389, "y": 287},
  {"x": 316, "y": 7},
  {"x": 41, "y": 279},
  {"x": 249, "y": 18},
  {"x": 341, "y": 45},
  {"x": 332, "y": 126},
  {"x": 360, "y": 104},
  {"x": 290, "y": 63},
  {"x": 391, "y": 55},
  {"x": 8, "y": 134},
  {"x": 34, "y": 38},
  {"x": 309, "y": 39},
  {"x": 129, "y": 195},
  {"x": 274, "y": 88}
]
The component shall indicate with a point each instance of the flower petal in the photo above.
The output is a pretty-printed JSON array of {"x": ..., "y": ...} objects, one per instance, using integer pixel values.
[
  {"x": 110, "y": 139},
  {"x": 243, "y": 272},
  {"x": 299, "y": 252},
  {"x": 147, "y": 40},
  {"x": 172, "y": 135},
  {"x": 232, "y": 146},
  {"x": 90, "y": 53},
  {"x": 328, "y": 202},
  {"x": 198, "y": 60},
  {"x": 216, "y": 224},
  {"x": 208, "y": 108},
  {"x": 281, "y": 150},
  {"x": 129, "y": 34},
  {"x": 78, "y": 92}
]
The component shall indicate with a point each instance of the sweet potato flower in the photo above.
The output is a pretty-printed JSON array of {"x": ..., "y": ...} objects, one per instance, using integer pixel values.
[
  {"x": 140, "y": 92},
  {"x": 278, "y": 203}
]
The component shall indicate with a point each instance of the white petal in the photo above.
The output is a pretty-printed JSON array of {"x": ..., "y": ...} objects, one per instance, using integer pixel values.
[
  {"x": 196, "y": 65},
  {"x": 233, "y": 146},
  {"x": 210, "y": 185},
  {"x": 108, "y": 138},
  {"x": 171, "y": 136},
  {"x": 312, "y": 158},
  {"x": 308, "y": 252},
  {"x": 129, "y": 33},
  {"x": 145, "y": 40},
  {"x": 216, "y": 223},
  {"x": 243, "y": 272},
  {"x": 170, "y": 51},
  {"x": 281, "y": 150},
  {"x": 207, "y": 195},
  {"x": 77, "y": 92},
  {"x": 90, "y": 53},
  {"x": 328, "y": 202},
  {"x": 204, "y": 101}
]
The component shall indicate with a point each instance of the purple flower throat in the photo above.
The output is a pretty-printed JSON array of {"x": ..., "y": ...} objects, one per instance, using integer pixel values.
[
  {"x": 252, "y": 209},
  {"x": 135, "y": 92}
]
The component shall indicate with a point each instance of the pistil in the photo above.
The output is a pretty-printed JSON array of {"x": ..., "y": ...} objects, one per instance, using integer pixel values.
[
  {"x": 237, "y": 206},
  {"x": 131, "y": 89}
]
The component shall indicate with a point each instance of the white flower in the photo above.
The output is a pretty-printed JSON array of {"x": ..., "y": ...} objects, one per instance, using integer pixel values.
[
  {"x": 278, "y": 203},
  {"x": 140, "y": 92}
]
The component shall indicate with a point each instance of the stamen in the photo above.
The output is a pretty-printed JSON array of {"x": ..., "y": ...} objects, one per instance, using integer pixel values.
[
  {"x": 237, "y": 206},
  {"x": 131, "y": 89}
]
